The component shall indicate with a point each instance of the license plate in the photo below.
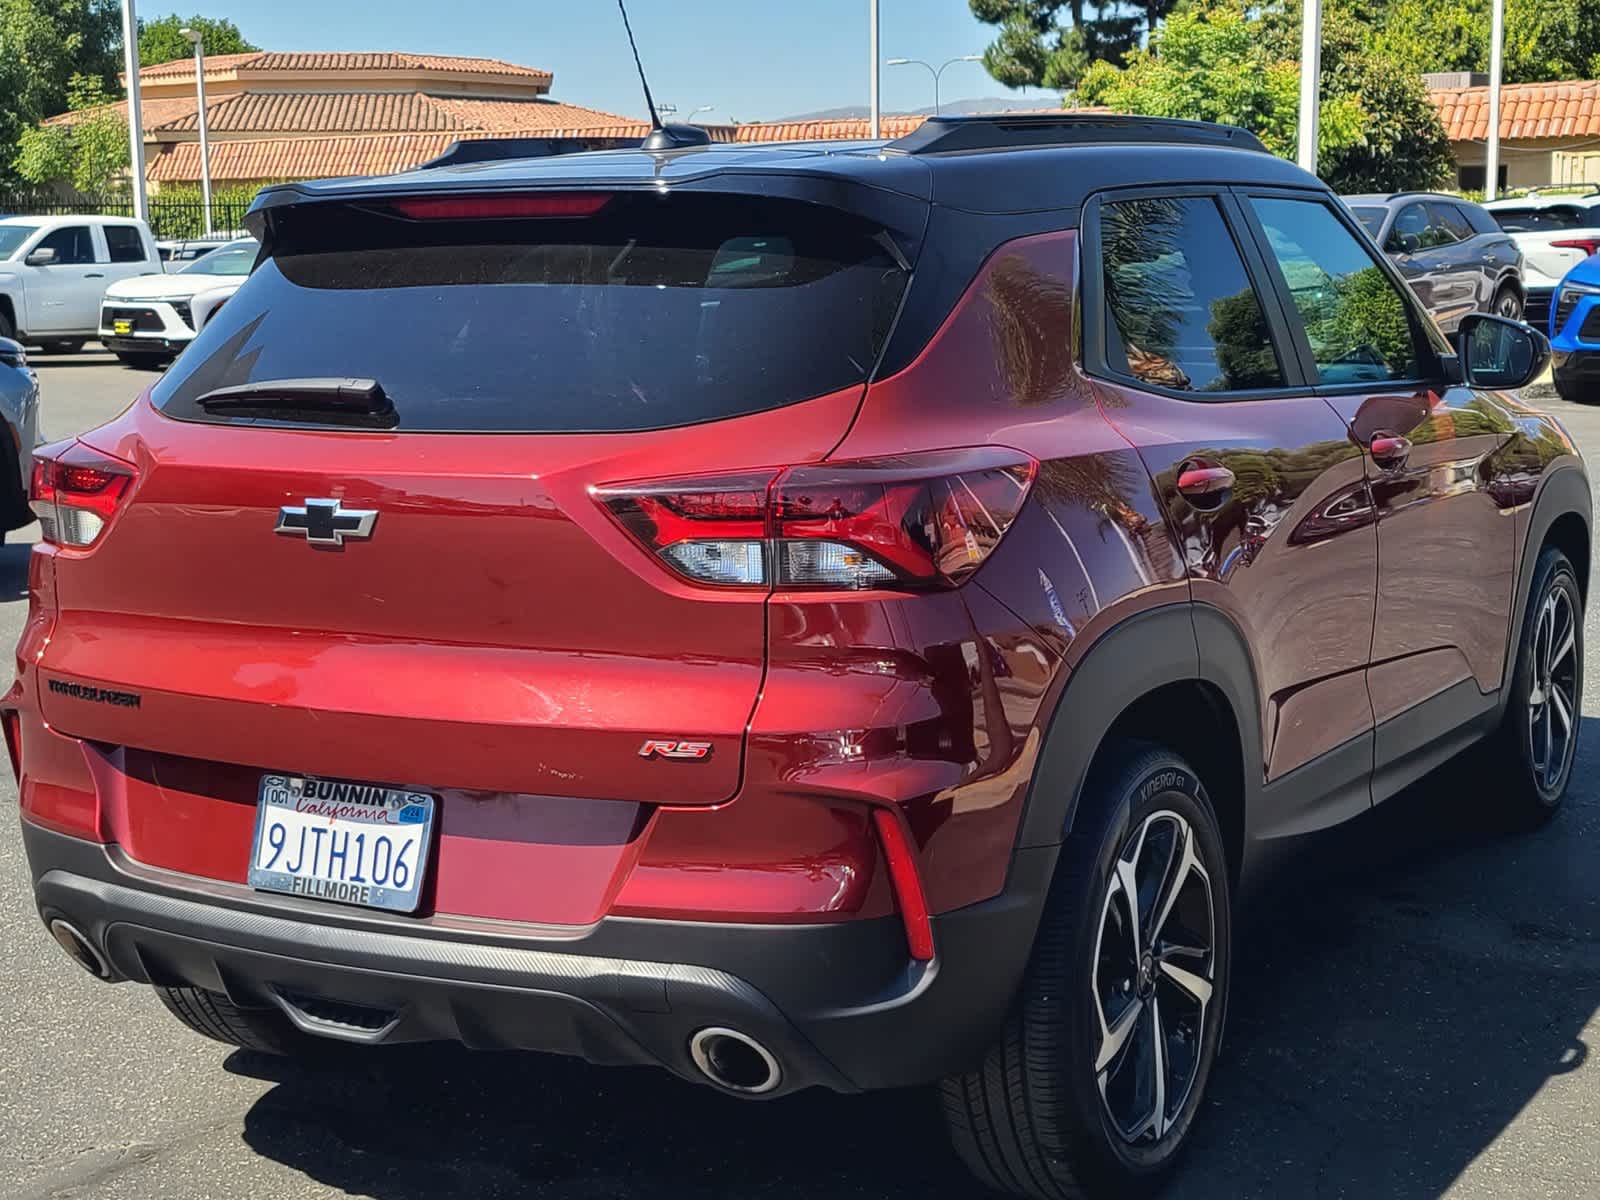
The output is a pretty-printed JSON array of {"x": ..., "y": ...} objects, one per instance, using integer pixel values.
[
  {"x": 121, "y": 326},
  {"x": 352, "y": 843}
]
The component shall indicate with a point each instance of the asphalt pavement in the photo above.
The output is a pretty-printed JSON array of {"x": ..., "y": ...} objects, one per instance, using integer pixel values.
[{"x": 1413, "y": 1009}]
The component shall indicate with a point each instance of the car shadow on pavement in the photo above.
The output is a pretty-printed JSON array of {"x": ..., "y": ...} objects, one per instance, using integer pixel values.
[{"x": 1408, "y": 984}]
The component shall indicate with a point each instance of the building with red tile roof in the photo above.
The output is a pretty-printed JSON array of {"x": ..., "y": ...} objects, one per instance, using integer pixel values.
[{"x": 1549, "y": 132}]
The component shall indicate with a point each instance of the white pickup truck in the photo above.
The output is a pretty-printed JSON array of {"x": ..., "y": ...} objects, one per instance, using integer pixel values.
[
  {"x": 1555, "y": 232},
  {"x": 54, "y": 270}
]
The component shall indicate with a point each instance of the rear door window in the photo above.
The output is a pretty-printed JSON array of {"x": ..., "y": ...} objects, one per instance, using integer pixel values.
[
  {"x": 647, "y": 312},
  {"x": 1181, "y": 312},
  {"x": 125, "y": 243}
]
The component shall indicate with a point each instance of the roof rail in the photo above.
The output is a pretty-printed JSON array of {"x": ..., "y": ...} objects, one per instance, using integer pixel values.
[
  {"x": 472, "y": 150},
  {"x": 1002, "y": 131}
]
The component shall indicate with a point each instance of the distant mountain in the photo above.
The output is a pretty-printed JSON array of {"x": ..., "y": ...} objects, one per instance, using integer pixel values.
[{"x": 985, "y": 104}]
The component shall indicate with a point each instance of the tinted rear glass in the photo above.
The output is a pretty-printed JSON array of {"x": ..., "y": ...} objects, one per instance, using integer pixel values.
[
  {"x": 654, "y": 312},
  {"x": 1541, "y": 220}
]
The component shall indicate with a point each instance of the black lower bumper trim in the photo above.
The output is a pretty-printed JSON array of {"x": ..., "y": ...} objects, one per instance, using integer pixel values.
[{"x": 839, "y": 1006}]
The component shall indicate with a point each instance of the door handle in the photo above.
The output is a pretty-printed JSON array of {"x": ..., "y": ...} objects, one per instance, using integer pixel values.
[
  {"x": 1198, "y": 481},
  {"x": 1390, "y": 450},
  {"x": 95, "y": 275}
]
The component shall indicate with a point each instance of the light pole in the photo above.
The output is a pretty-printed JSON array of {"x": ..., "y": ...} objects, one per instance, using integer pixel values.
[
  {"x": 877, "y": 107},
  {"x": 1497, "y": 38},
  {"x": 198, "y": 38},
  {"x": 701, "y": 109},
  {"x": 937, "y": 74},
  {"x": 1310, "y": 83},
  {"x": 130, "y": 64}
]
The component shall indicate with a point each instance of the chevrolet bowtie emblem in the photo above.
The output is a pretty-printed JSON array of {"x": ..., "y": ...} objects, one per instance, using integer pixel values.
[{"x": 325, "y": 523}]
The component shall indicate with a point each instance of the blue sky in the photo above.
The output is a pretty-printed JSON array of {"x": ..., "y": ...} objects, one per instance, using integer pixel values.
[{"x": 752, "y": 59}]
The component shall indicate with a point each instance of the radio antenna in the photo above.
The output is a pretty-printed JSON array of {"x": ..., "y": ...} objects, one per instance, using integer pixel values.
[{"x": 662, "y": 137}]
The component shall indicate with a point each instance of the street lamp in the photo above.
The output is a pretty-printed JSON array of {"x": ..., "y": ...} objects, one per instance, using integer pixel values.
[
  {"x": 937, "y": 74},
  {"x": 130, "y": 61},
  {"x": 701, "y": 109},
  {"x": 198, "y": 38}
]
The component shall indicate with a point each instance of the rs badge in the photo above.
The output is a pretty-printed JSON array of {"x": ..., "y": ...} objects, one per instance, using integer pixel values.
[{"x": 661, "y": 749}]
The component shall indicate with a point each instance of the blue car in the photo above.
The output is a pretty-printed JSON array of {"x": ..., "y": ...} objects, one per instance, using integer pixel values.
[
  {"x": 19, "y": 420},
  {"x": 1575, "y": 333}
]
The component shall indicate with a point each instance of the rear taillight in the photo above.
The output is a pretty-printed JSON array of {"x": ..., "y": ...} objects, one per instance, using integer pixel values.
[
  {"x": 919, "y": 522},
  {"x": 1589, "y": 246},
  {"x": 76, "y": 491},
  {"x": 493, "y": 207}
]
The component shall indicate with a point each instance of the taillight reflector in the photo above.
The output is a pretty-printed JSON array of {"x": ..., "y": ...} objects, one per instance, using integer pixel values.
[
  {"x": 906, "y": 882},
  {"x": 75, "y": 491},
  {"x": 478, "y": 208},
  {"x": 919, "y": 522}
]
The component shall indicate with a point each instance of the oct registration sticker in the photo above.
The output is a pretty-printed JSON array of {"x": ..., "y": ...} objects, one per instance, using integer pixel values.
[{"x": 352, "y": 843}]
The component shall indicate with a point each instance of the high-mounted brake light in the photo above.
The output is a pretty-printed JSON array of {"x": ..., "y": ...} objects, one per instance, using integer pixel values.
[
  {"x": 479, "y": 208},
  {"x": 75, "y": 491},
  {"x": 923, "y": 521},
  {"x": 1589, "y": 246}
]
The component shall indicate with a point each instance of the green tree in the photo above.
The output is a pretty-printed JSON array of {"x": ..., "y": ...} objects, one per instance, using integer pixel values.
[
  {"x": 91, "y": 154},
  {"x": 1208, "y": 63},
  {"x": 44, "y": 44},
  {"x": 1237, "y": 62},
  {"x": 1545, "y": 39},
  {"x": 1051, "y": 43},
  {"x": 162, "y": 41}
]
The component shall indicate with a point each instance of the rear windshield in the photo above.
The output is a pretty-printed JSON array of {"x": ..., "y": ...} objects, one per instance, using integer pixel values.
[
  {"x": 1542, "y": 220},
  {"x": 653, "y": 312}
]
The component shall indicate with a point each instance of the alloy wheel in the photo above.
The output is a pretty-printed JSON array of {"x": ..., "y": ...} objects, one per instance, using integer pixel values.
[
  {"x": 1552, "y": 695},
  {"x": 1153, "y": 978},
  {"x": 1510, "y": 306}
]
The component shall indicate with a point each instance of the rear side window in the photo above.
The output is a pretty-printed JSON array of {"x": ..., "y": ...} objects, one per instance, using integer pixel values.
[
  {"x": 1358, "y": 324},
  {"x": 1451, "y": 219},
  {"x": 125, "y": 243},
  {"x": 1181, "y": 312},
  {"x": 648, "y": 312}
]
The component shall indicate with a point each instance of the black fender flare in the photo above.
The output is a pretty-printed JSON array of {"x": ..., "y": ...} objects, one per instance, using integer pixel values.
[
  {"x": 1175, "y": 643},
  {"x": 1565, "y": 490}
]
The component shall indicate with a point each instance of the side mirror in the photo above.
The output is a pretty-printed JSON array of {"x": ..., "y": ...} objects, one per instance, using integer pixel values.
[
  {"x": 1500, "y": 353},
  {"x": 42, "y": 257}
]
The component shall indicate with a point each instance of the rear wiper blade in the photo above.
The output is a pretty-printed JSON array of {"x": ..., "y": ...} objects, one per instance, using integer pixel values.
[{"x": 351, "y": 396}]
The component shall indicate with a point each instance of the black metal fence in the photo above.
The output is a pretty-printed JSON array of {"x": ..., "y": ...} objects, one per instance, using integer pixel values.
[{"x": 169, "y": 219}]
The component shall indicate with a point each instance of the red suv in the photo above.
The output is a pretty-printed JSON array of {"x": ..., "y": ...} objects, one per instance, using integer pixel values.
[{"x": 795, "y": 615}]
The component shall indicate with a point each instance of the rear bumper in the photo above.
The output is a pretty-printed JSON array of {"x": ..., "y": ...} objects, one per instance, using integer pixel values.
[{"x": 838, "y": 1005}]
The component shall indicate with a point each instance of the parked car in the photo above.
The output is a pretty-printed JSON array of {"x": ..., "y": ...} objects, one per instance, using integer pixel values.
[
  {"x": 1451, "y": 252},
  {"x": 19, "y": 412},
  {"x": 147, "y": 321},
  {"x": 53, "y": 271},
  {"x": 594, "y": 671},
  {"x": 1555, "y": 232},
  {"x": 1575, "y": 333},
  {"x": 177, "y": 252}
]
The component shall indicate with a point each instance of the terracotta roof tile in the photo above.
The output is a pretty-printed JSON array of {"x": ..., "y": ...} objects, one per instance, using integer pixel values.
[
  {"x": 848, "y": 129},
  {"x": 280, "y": 60},
  {"x": 530, "y": 116},
  {"x": 154, "y": 113},
  {"x": 1527, "y": 110},
  {"x": 319, "y": 112}
]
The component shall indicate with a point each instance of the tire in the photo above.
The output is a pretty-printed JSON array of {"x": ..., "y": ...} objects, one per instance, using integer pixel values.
[
  {"x": 215, "y": 1016},
  {"x": 8, "y": 328},
  {"x": 1547, "y": 682},
  {"x": 142, "y": 361},
  {"x": 1576, "y": 390},
  {"x": 1507, "y": 303},
  {"x": 1032, "y": 1119}
]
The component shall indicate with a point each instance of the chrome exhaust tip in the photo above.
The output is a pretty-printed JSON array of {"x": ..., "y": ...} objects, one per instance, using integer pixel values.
[
  {"x": 735, "y": 1061},
  {"x": 81, "y": 950}
]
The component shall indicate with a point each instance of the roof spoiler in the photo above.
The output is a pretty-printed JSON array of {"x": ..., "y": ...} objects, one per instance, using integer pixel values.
[
  {"x": 1001, "y": 131},
  {"x": 474, "y": 150}
]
